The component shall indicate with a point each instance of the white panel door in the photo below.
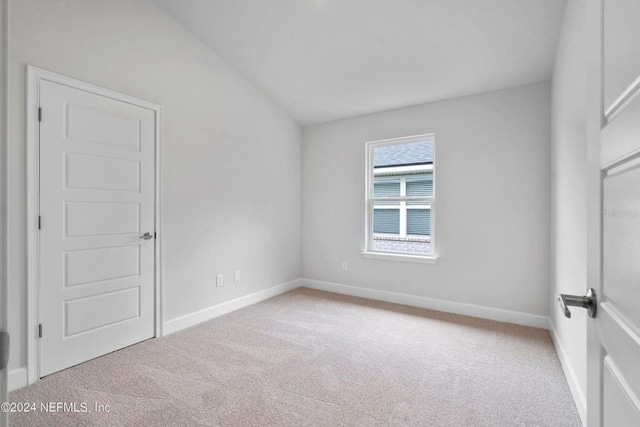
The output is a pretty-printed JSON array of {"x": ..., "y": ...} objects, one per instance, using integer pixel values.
[
  {"x": 96, "y": 202},
  {"x": 614, "y": 335}
]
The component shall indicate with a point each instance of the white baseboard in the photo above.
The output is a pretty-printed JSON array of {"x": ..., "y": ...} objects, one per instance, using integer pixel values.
[
  {"x": 17, "y": 378},
  {"x": 490, "y": 313},
  {"x": 569, "y": 373},
  {"x": 192, "y": 319}
]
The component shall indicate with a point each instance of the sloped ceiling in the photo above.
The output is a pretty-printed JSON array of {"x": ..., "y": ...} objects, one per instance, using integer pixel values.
[{"x": 323, "y": 60}]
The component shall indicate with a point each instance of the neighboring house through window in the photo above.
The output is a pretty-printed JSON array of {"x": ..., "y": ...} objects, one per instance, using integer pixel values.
[{"x": 401, "y": 196}]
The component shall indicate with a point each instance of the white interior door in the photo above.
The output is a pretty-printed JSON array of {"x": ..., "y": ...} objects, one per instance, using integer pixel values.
[
  {"x": 97, "y": 201},
  {"x": 614, "y": 335}
]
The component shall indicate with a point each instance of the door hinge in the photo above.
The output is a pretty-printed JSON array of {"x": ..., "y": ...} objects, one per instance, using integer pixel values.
[
  {"x": 39, "y": 114},
  {"x": 40, "y": 330},
  {"x": 39, "y": 222}
]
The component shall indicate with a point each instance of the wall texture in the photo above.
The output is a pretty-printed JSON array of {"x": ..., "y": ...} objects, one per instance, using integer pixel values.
[
  {"x": 492, "y": 185},
  {"x": 232, "y": 159},
  {"x": 569, "y": 189}
]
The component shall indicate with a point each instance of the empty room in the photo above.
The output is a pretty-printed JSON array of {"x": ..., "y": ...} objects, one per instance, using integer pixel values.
[{"x": 320, "y": 213}]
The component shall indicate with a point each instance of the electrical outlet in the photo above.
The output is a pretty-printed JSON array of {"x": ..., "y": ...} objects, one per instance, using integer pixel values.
[
  {"x": 345, "y": 265},
  {"x": 219, "y": 280},
  {"x": 236, "y": 276}
]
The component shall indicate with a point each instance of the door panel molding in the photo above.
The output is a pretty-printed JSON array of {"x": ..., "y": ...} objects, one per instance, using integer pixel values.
[
  {"x": 626, "y": 403},
  {"x": 34, "y": 78},
  {"x": 627, "y": 97}
]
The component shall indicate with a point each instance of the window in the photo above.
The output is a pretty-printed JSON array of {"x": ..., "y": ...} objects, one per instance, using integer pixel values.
[{"x": 401, "y": 196}]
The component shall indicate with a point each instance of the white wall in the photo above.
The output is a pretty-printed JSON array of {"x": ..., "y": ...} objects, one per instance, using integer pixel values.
[
  {"x": 569, "y": 189},
  {"x": 492, "y": 154},
  {"x": 232, "y": 160}
]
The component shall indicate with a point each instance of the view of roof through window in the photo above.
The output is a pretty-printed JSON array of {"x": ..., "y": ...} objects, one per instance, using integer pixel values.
[{"x": 413, "y": 153}]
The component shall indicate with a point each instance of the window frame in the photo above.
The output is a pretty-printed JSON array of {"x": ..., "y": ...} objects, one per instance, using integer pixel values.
[{"x": 370, "y": 199}]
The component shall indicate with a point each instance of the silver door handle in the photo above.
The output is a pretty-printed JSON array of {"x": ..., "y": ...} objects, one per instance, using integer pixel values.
[
  {"x": 588, "y": 301},
  {"x": 147, "y": 236}
]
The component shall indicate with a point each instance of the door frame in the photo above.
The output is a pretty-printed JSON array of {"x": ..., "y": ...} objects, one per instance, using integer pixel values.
[
  {"x": 4, "y": 141},
  {"x": 34, "y": 77}
]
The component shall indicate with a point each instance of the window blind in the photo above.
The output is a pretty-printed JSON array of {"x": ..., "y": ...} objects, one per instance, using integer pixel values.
[
  {"x": 386, "y": 189},
  {"x": 386, "y": 221},
  {"x": 420, "y": 187},
  {"x": 419, "y": 222}
]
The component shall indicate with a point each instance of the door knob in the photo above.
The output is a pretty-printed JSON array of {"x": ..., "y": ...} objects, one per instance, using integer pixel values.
[
  {"x": 147, "y": 236},
  {"x": 588, "y": 301}
]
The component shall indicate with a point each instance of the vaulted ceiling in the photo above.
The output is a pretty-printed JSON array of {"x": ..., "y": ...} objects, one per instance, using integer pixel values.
[{"x": 323, "y": 60}]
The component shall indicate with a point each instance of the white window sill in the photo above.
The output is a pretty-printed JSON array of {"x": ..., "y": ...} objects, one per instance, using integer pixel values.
[{"x": 400, "y": 257}]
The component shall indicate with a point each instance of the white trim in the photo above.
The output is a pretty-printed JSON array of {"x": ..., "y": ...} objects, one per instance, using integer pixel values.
[
  {"x": 623, "y": 162},
  {"x": 17, "y": 378},
  {"x": 402, "y": 169},
  {"x": 159, "y": 272},
  {"x": 426, "y": 199},
  {"x": 195, "y": 318},
  {"x": 33, "y": 208},
  {"x": 403, "y": 208},
  {"x": 34, "y": 77},
  {"x": 622, "y": 383},
  {"x": 388, "y": 256},
  {"x": 625, "y": 99},
  {"x": 576, "y": 391},
  {"x": 498, "y": 314}
]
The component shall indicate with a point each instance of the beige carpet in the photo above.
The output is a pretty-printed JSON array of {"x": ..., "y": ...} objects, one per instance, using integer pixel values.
[{"x": 321, "y": 359}]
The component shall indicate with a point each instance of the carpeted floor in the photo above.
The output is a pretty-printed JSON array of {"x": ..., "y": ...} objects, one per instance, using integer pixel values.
[{"x": 315, "y": 358}]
